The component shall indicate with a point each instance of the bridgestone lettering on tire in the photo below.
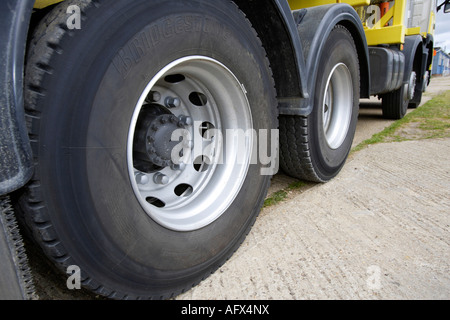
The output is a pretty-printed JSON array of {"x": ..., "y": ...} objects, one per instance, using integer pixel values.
[
  {"x": 106, "y": 196},
  {"x": 315, "y": 148}
]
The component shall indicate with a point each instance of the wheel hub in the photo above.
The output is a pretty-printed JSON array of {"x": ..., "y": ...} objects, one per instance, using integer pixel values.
[
  {"x": 159, "y": 139},
  {"x": 153, "y": 143}
]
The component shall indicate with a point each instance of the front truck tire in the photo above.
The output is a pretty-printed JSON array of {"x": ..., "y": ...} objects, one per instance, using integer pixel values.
[
  {"x": 102, "y": 104},
  {"x": 315, "y": 148}
]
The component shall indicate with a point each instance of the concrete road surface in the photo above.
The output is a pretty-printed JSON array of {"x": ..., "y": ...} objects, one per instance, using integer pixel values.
[{"x": 380, "y": 230}]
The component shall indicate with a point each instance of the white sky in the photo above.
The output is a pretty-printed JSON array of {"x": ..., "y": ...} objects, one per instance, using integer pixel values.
[{"x": 442, "y": 34}]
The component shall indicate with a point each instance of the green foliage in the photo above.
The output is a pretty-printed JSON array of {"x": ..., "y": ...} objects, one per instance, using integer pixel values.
[{"x": 430, "y": 121}]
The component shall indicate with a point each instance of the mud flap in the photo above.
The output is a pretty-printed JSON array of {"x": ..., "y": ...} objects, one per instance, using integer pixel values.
[{"x": 15, "y": 277}]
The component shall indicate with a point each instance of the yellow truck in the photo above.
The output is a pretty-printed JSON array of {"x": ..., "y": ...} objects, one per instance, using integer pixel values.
[
  {"x": 139, "y": 137},
  {"x": 391, "y": 27}
]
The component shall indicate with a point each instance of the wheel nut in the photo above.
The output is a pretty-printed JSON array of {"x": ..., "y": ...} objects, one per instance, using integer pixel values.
[
  {"x": 178, "y": 167},
  {"x": 154, "y": 96},
  {"x": 186, "y": 120},
  {"x": 172, "y": 102},
  {"x": 141, "y": 178},
  {"x": 160, "y": 178}
]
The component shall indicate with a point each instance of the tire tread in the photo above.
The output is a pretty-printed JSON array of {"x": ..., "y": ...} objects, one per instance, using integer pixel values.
[{"x": 295, "y": 142}]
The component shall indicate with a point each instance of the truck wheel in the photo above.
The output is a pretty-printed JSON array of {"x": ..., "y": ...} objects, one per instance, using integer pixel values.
[
  {"x": 316, "y": 147},
  {"x": 104, "y": 104},
  {"x": 395, "y": 104},
  {"x": 418, "y": 93},
  {"x": 415, "y": 102}
]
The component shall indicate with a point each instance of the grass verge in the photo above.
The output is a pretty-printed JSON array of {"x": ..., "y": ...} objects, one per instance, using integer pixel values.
[
  {"x": 281, "y": 195},
  {"x": 430, "y": 121}
]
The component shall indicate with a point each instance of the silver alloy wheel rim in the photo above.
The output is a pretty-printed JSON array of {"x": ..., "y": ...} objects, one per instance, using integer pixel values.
[
  {"x": 337, "y": 106},
  {"x": 211, "y": 102}
]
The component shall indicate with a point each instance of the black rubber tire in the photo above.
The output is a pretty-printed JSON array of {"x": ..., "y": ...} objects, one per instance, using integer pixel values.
[
  {"x": 421, "y": 86},
  {"x": 304, "y": 151},
  {"x": 417, "y": 100},
  {"x": 418, "y": 93},
  {"x": 81, "y": 90},
  {"x": 395, "y": 104}
]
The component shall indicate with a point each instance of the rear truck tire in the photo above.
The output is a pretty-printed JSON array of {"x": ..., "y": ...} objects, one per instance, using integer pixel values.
[
  {"x": 104, "y": 103},
  {"x": 315, "y": 147},
  {"x": 395, "y": 104},
  {"x": 415, "y": 102},
  {"x": 418, "y": 93}
]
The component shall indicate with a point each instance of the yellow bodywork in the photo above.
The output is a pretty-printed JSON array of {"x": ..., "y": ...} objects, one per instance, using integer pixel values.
[
  {"x": 39, "y": 4},
  {"x": 381, "y": 32},
  {"x": 390, "y": 29},
  {"x": 300, "y": 4}
]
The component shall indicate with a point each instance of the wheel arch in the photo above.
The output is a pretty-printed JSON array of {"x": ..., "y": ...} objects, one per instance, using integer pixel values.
[
  {"x": 277, "y": 30},
  {"x": 413, "y": 51},
  {"x": 421, "y": 53},
  {"x": 16, "y": 160},
  {"x": 429, "y": 43},
  {"x": 363, "y": 54},
  {"x": 314, "y": 26}
]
